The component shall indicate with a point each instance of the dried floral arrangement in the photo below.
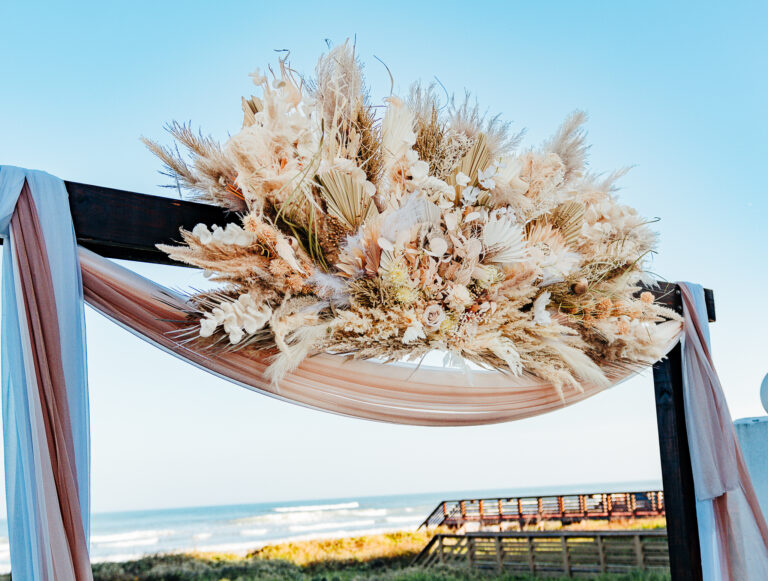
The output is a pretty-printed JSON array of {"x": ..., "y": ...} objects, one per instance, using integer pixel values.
[{"x": 388, "y": 231}]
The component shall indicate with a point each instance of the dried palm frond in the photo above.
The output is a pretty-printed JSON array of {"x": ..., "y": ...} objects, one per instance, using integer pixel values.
[
  {"x": 503, "y": 241},
  {"x": 568, "y": 219},
  {"x": 397, "y": 131},
  {"x": 477, "y": 158},
  {"x": 250, "y": 108},
  {"x": 345, "y": 198}
]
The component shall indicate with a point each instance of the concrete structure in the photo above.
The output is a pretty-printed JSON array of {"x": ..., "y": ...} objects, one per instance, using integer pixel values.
[{"x": 753, "y": 437}]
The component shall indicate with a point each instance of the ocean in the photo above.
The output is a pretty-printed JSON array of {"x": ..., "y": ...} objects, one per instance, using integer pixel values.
[{"x": 119, "y": 536}]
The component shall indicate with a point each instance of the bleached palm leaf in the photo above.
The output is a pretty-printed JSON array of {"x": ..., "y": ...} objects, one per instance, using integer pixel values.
[
  {"x": 503, "y": 240},
  {"x": 345, "y": 198}
]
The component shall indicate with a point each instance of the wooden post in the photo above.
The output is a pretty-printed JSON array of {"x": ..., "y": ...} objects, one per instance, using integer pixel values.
[
  {"x": 531, "y": 559},
  {"x": 499, "y": 554},
  {"x": 639, "y": 556},
  {"x": 601, "y": 554},
  {"x": 470, "y": 550},
  {"x": 676, "y": 472},
  {"x": 566, "y": 556}
]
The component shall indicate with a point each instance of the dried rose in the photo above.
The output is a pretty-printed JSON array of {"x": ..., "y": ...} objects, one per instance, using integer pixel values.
[{"x": 433, "y": 316}]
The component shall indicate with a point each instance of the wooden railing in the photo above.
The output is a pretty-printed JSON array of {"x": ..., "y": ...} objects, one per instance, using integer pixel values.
[
  {"x": 531, "y": 509},
  {"x": 567, "y": 553}
]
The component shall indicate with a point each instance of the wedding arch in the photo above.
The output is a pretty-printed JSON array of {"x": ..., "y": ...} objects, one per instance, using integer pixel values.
[{"x": 711, "y": 507}]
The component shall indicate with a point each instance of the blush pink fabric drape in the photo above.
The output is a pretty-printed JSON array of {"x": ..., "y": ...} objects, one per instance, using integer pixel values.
[
  {"x": 739, "y": 532},
  {"x": 362, "y": 389},
  {"x": 62, "y": 543}
]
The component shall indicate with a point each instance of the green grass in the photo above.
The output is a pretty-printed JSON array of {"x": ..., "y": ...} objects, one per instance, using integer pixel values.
[{"x": 201, "y": 568}]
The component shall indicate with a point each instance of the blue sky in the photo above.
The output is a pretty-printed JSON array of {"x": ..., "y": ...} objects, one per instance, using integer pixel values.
[{"x": 677, "y": 90}]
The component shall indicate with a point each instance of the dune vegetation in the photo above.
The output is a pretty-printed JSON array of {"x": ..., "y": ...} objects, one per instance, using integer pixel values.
[{"x": 383, "y": 557}]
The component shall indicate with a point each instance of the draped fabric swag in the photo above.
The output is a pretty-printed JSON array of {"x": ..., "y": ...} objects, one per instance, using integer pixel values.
[
  {"x": 44, "y": 383},
  {"x": 45, "y": 413}
]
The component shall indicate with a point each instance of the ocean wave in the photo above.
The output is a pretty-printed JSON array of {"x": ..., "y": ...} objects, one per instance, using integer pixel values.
[
  {"x": 254, "y": 532},
  {"x": 142, "y": 542},
  {"x": 331, "y": 525},
  {"x": 317, "y": 507},
  {"x": 309, "y": 516},
  {"x": 366, "y": 512},
  {"x": 201, "y": 536},
  {"x": 411, "y": 519},
  {"x": 130, "y": 536}
]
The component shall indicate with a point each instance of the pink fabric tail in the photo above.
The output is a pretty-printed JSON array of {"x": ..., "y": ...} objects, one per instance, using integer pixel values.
[
  {"x": 63, "y": 542},
  {"x": 363, "y": 389},
  {"x": 719, "y": 471}
]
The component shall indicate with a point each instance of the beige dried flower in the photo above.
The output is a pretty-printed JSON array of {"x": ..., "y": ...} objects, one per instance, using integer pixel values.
[{"x": 433, "y": 316}]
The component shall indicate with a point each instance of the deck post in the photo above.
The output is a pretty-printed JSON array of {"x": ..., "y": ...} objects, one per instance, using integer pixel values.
[
  {"x": 676, "y": 471},
  {"x": 601, "y": 554},
  {"x": 499, "y": 554}
]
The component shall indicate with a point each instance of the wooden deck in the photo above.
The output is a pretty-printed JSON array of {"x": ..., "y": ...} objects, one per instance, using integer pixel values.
[
  {"x": 566, "y": 508},
  {"x": 564, "y": 553}
]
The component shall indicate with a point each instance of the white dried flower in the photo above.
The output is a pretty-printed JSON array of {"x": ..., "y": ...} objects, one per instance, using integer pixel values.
[
  {"x": 419, "y": 171},
  {"x": 208, "y": 325},
  {"x": 485, "y": 177},
  {"x": 462, "y": 179},
  {"x": 413, "y": 332},
  {"x": 540, "y": 314},
  {"x": 237, "y": 317},
  {"x": 231, "y": 234},
  {"x": 437, "y": 247},
  {"x": 202, "y": 233},
  {"x": 469, "y": 195}
]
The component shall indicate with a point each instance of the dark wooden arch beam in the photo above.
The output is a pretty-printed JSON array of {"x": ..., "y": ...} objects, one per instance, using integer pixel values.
[{"x": 127, "y": 225}]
